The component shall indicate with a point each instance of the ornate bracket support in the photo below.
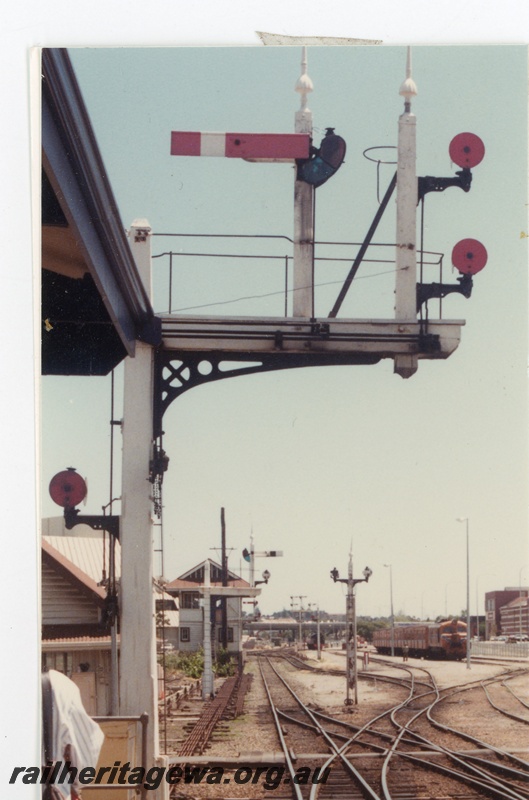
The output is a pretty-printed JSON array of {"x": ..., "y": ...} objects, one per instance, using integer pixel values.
[{"x": 176, "y": 372}]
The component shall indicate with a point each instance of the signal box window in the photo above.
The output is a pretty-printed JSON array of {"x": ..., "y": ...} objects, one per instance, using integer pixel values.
[
  {"x": 185, "y": 635},
  {"x": 190, "y": 600}
]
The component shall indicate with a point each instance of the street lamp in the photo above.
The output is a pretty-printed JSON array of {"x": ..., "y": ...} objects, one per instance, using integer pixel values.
[
  {"x": 465, "y": 519},
  {"x": 350, "y": 619},
  {"x": 390, "y": 566},
  {"x": 266, "y": 578}
]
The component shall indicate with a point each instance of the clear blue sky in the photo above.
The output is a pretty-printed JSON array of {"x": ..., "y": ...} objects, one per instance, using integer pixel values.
[{"x": 312, "y": 459}]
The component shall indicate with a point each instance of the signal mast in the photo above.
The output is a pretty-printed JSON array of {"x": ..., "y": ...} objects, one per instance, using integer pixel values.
[{"x": 303, "y": 302}]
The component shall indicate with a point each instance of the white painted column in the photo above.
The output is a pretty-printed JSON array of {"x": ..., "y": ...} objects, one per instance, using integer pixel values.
[
  {"x": 303, "y": 302},
  {"x": 252, "y": 562},
  {"x": 138, "y": 667},
  {"x": 207, "y": 676},
  {"x": 406, "y": 253}
]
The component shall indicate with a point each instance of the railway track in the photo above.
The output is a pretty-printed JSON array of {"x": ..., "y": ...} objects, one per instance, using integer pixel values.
[{"x": 395, "y": 755}]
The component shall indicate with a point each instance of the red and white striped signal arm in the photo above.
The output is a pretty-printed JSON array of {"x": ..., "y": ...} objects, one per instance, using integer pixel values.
[{"x": 262, "y": 147}]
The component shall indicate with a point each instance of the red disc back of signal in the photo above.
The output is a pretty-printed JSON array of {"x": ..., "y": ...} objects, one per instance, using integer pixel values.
[
  {"x": 469, "y": 256},
  {"x": 67, "y": 488},
  {"x": 466, "y": 150}
]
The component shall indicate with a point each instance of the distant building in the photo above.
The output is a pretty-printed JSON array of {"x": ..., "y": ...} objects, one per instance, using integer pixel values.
[
  {"x": 514, "y": 617},
  {"x": 75, "y": 637},
  {"x": 189, "y": 589},
  {"x": 74, "y": 640},
  {"x": 494, "y": 601}
]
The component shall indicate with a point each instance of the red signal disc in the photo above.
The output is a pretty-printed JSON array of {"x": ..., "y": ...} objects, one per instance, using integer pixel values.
[
  {"x": 466, "y": 150},
  {"x": 67, "y": 488},
  {"x": 469, "y": 256}
]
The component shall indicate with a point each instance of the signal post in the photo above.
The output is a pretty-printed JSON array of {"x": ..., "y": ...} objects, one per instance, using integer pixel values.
[
  {"x": 138, "y": 667},
  {"x": 303, "y": 301},
  {"x": 406, "y": 250}
]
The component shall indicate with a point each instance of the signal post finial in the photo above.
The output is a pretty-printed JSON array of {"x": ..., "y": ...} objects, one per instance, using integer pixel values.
[
  {"x": 408, "y": 88},
  {"x": 304, "y": 86}
]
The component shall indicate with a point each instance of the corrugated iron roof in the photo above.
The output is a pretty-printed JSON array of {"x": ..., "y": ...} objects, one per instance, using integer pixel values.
[
  {"x": 61, "y": 564},
  {"x": 188, "y": 577},
  {"x": 89, "y": 553}
]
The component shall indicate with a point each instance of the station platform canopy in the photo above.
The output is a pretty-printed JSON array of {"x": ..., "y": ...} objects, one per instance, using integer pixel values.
[{"x": 94, "y": 305}]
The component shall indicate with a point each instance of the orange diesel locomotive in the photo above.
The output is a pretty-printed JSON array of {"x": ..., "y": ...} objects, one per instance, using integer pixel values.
[{"x": 425, "y": 639}]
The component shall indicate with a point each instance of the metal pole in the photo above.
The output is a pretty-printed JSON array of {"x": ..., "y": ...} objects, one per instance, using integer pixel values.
[
  {"x": 468, "y": 599},
  {"x": 391, "y": 608},
  {"x": 465, "y": 519},
  {"x": 520, "y": 599},
  {"x": 348, "y": 602},
  {"x": 477, "y": 609},
  {"x": 252, "y": 562},
  {"x": 350, "y": 622},
  {"x": 114, "y": 661},
  {"x": 355, "y": 652}
]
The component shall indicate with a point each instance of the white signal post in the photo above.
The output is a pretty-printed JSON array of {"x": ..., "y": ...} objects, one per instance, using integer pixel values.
[
  {"x": 303, "y": 302},
  {"x": 138, "y": 668},
  {"x": 207, "y": 675},
  {"x": 273, "y": 148},
  {"x": 406, "y": 254}
]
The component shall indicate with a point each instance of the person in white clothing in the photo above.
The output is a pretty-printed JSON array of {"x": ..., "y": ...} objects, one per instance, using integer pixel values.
[{"x": 70, "y": 735}]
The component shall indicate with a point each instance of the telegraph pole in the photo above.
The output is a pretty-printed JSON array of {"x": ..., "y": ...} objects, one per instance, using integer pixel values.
[
  {"x": 351, "y": 672},
  {"x": 300, "y": 597}
]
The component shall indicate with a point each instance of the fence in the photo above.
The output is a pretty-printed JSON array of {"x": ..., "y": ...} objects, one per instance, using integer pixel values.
[{"x": 501, "y": 649}]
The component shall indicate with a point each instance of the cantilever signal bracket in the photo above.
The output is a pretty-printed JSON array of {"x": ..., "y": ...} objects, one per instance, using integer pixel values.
[{"x": 430, "y": 291}]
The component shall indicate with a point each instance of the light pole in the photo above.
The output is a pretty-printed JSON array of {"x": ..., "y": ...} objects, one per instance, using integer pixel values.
[
  {"x": 520, "y": 599},
  {"x": 350, "y": 619},
  {"x": 465, "y": 519},
  {"x": 390, "y": 566}
]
